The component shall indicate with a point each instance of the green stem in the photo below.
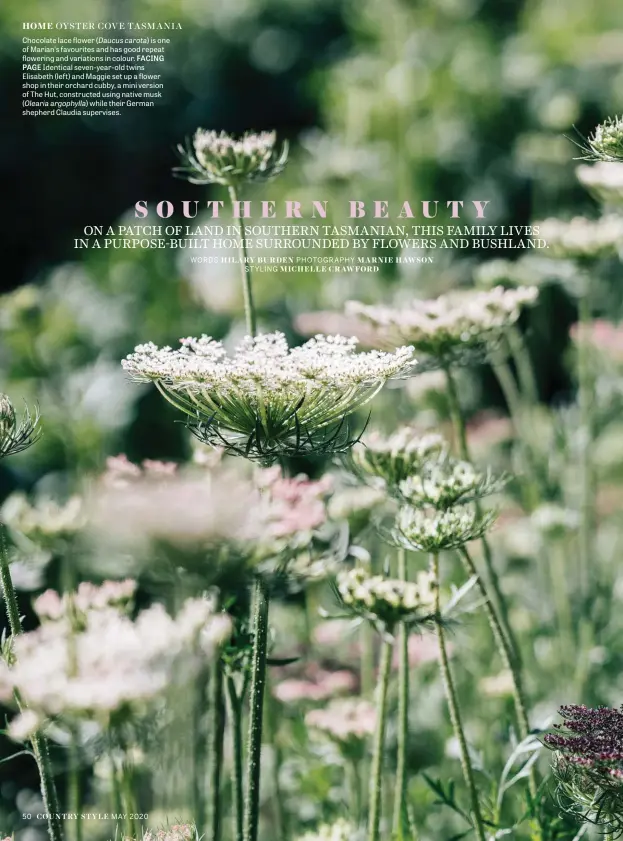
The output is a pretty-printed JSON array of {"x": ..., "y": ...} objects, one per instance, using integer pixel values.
[
  {"x": 235, "y": 722},
  {"x": 354, "y": 784},
  {"x": 366, "y": 659},
  {"x": 217, "y": 738},
  {"x": 278, "y": 800},
  {"x": 455, "y": 716},
  {"x": 376, "y": 776},
  {"x": 256, "y": 710},
  {"x": 200, "y": 750},
  {"x": 245, "y": 269},
  {"x": 38, "y": 741},
  {"x": 460, "y": 428},
  {"x": 508, "y": 661},
  {"x": 585, "y": 399},
  {"x": 401, "y": 816},
  {"x": 523, "y": 364},
  {"x": 75, "y": 787}
]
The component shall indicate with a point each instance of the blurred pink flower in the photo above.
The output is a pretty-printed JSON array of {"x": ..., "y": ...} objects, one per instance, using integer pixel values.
[
  {"x": 422, "y": 649},
  {"x": 317, "y": 687},
  {"x": 487, "y": 429},
  {"x": 602, "y": 334},
  {"x": 295, "y": 504},
  {"x": 344, "y": 719}
]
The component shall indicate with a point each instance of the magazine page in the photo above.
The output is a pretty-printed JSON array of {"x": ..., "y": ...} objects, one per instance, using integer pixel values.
[{"x": 311, "y": 379}]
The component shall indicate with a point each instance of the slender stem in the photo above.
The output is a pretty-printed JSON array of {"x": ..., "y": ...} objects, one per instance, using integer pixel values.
[
  {"x": 366, "y": 659},
  {"x": 38, "y": 741},
  {"x": 278, "y": 800},
  {"x": 354, "y": 781},
  {"x": 200, "y": 750},
  {"x": 256, "y": 703},
  {"x": 455, "y": 716},
  {"x": 235, "y": 723},
  {"x": 585, "y": 399},
  {"x": 217, "y": 739},
  {"x": 496, "y": 589},
  {"x": 401, "y": 816},
  {"x": 506, "y": 655},
  {"x": 376, "y": 777},
  {"x": 523, "y": 364},
  {"x": 75, "y": 786},
  {"x": 245, "y": 269}
]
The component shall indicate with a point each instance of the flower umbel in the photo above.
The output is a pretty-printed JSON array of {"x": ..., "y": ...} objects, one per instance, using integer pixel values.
[
  {"x": 388, "y": 460},
  {"x": 16, "y": 435},
  {"x": 213, "y": 157},
  {"x": 387, "y": 600},
  {"x": 269, "y": 400},
  {"x": 422, "y": 531},
  {"x": 589, "y": 763},
  {"x": 444, "y": 483},
  {"x": 606, "y": 142},
  {"x": 453, "y": 329}
]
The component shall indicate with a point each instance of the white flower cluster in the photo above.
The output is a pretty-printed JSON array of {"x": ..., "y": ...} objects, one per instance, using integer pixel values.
[
  {"x": 344, "y": 719},
  {"x": 444, "y": 483},
  {"x": 555, "y": 520},
  {"x": 604, "y": 180},
  {"x": 219, "y": 158},
  {"x": 46, "y": 522},
  {"x": 425, "y": 531},
  {"x": 53, "y": 606},
  {"x": 341, "y": 830},
  {"x": 111, "y": 665},
  {"x": 385, "y": 461},
  {"x": 451, "y": 328},
  {"x": 387, "y": 599},
  {"x": 267, "y": 394},
  {"x": 583, "y": 237},
  {"x": 606, "y": 142}
]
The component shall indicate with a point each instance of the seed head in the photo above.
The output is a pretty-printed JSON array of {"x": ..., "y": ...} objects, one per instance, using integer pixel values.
[{"x": 213, "y": 157}]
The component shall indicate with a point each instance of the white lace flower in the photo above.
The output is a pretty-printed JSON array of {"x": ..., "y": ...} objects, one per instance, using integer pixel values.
[
  {"x": 53, "y": 606},
  {"x": 46, "y": 521},
  {"x": 387, "y": 600},
  {"x": 583, "y": 237},
  {"x": 110, "y": 665},
  {"x": 604, "y": 180},
  {"x": 453, "y": 328},
  {"x": 424, "y": 531},
  {"x": 385, "y": 461},
  {"x": 445, "y": 483},
  {"x": 219, "y": 158},
  {"x": 268, "y": 399},
  {"x": 606, "y": 142},
  {"x": 176, "y": 832}
]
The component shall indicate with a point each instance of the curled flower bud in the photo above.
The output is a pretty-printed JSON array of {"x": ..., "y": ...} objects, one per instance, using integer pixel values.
[
  {"x": 386, "y": 461},
  {"x": 421, "y": 531},
  {"x": 219, "y": 158},
  {"x": 15, "y": 435},
  {"x": 269, "y": 400},
  {"x": 446, "y": 483},
  {"x": 387, "y": 600},
  {"x": 453, "y": 329},
  {"x": 606, "y": 142}
]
